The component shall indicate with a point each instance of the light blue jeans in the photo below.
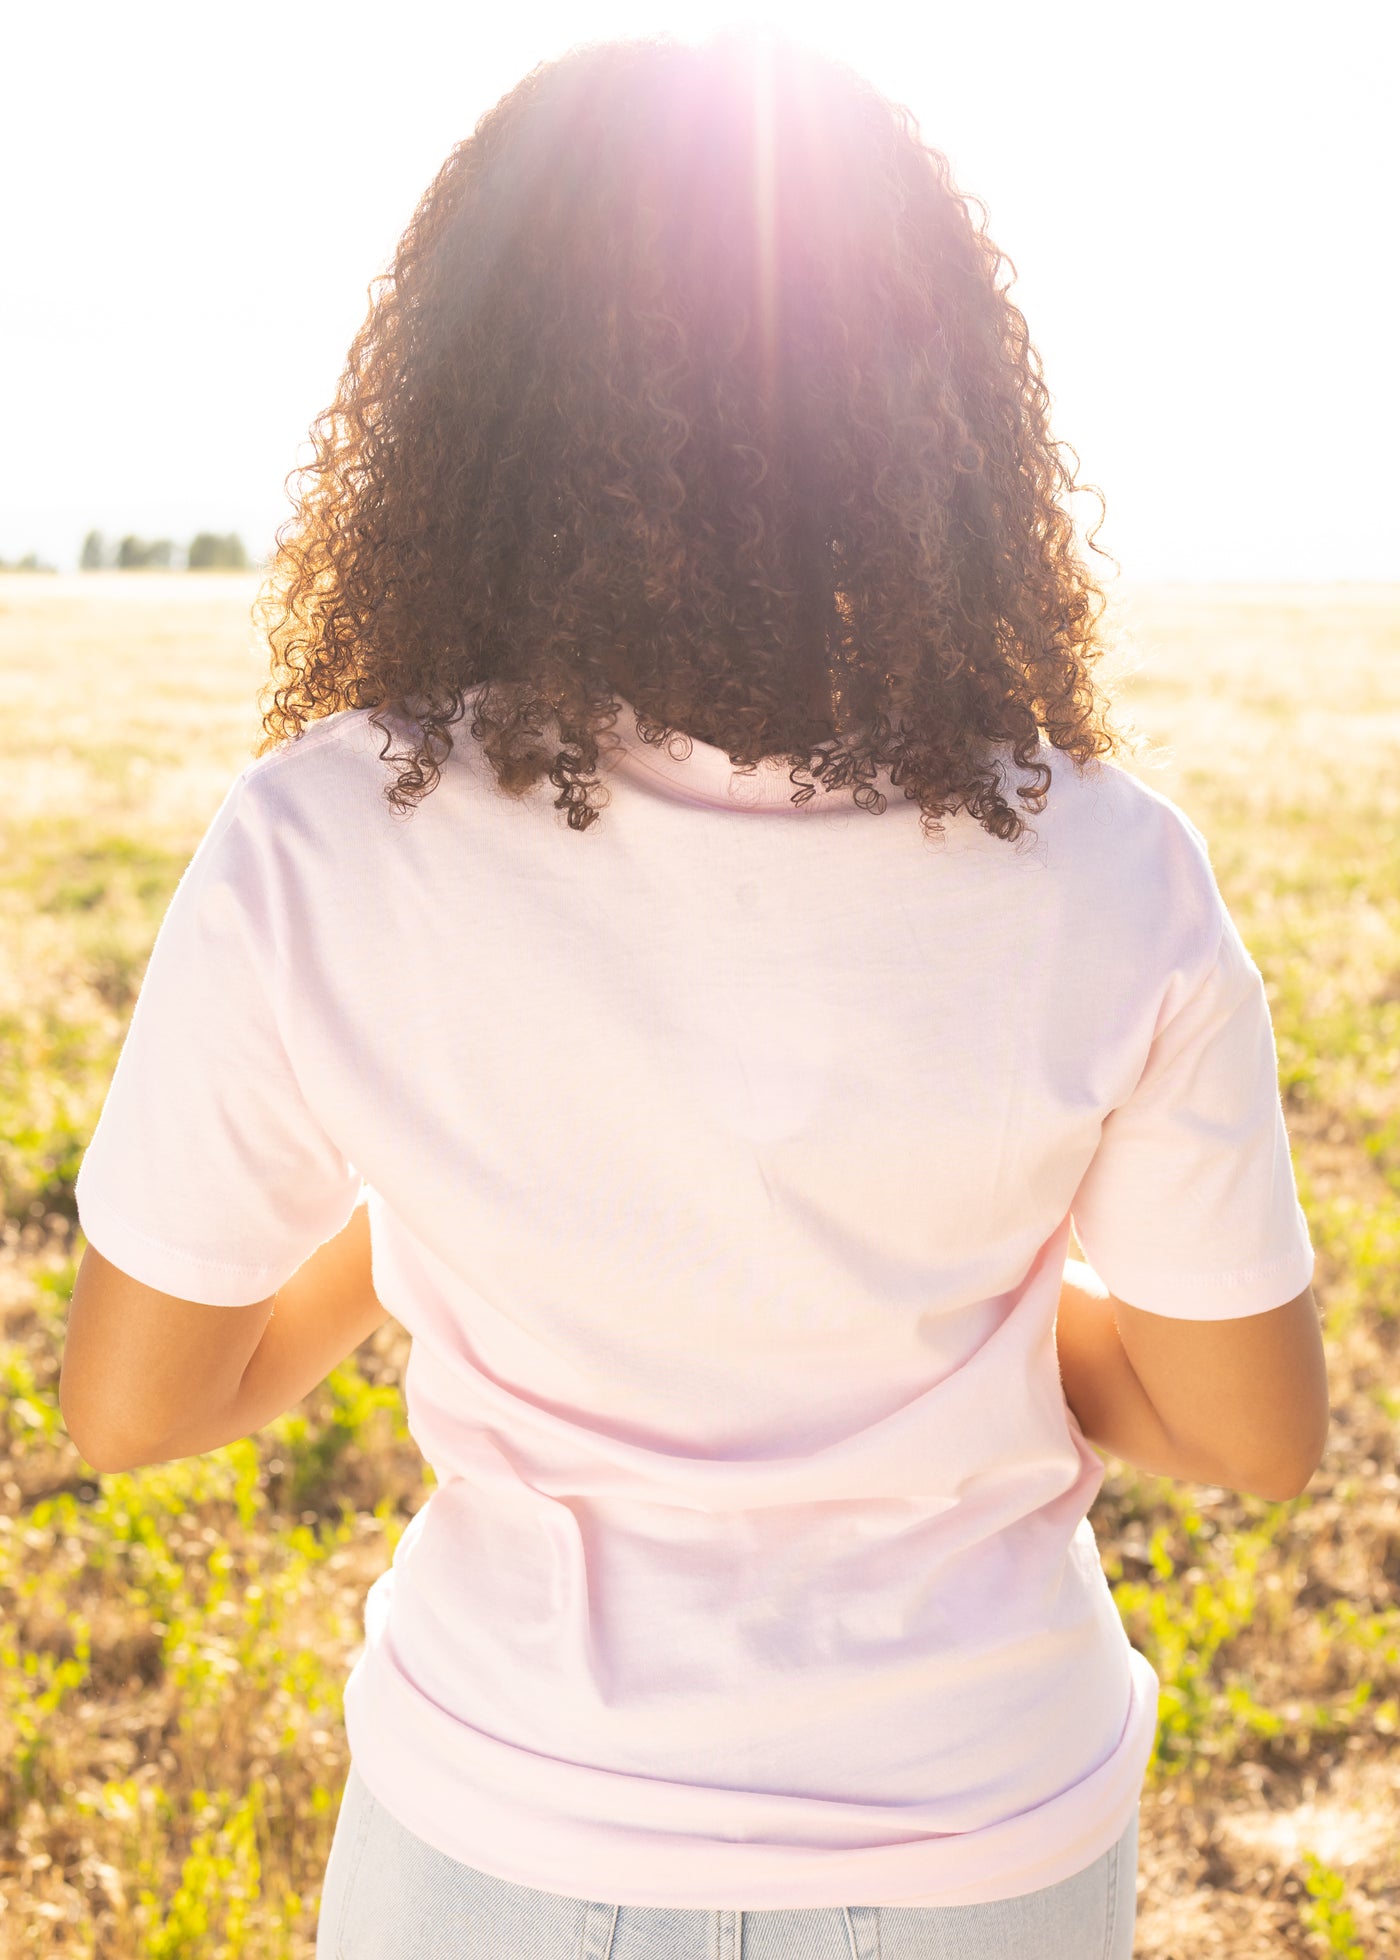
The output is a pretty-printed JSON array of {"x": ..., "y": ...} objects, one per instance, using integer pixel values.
[{"x": 389, "y": 1896}]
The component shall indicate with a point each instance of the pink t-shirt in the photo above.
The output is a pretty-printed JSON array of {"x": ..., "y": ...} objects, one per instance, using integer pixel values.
[{"x": 720, "y": 1162}]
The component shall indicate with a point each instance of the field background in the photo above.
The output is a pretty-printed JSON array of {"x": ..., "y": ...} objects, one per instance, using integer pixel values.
[{"x": 173, "y": 1643}]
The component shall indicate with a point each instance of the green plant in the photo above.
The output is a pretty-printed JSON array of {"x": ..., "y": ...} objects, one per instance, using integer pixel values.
[{"x": 1325, "y": 1915}]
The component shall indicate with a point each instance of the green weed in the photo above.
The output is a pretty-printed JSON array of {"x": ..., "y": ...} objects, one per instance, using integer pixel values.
[{"x": 1326, "y": 1915}]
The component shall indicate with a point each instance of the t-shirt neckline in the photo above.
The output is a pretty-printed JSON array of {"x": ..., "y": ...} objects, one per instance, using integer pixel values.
[{"x": 706, "y": 776}]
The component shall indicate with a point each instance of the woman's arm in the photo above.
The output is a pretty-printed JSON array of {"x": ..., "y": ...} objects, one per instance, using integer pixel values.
[
  {"x": 1103, "y": 1391},
  {"x": 1239, "y": 1403},
  {"x": 318, "y": 1318}
]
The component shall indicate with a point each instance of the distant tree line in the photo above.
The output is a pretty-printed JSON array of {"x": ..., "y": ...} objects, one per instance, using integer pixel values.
[
  {"x": 208, "y": 552},
  {"x": 30, "y": 562}
]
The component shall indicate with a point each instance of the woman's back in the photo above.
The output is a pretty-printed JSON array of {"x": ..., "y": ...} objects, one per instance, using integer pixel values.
[{"x": 721, "y": 1165}]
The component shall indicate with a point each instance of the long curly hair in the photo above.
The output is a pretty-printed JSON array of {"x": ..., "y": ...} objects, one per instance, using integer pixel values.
[{"x": 694, "y": 382}]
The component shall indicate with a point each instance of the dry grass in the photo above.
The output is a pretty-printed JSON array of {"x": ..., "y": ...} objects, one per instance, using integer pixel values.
[{"x": 176, "y": 1641}]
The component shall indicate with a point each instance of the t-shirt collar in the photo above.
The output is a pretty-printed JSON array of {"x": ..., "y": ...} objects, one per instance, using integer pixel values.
[{"x": 706, "y": 775}]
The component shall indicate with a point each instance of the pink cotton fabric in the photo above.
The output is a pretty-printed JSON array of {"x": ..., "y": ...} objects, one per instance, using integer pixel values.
[{"x": 721, "y": 1162}]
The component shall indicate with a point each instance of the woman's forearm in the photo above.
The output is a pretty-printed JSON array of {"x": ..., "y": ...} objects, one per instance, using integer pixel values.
[{"x": 1109, "y": 1403}]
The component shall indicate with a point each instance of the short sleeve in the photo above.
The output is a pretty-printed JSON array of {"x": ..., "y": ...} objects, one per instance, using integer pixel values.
[
  {"x": 207, "y": 1175},
  {"x": 1189, "y": 1207}
]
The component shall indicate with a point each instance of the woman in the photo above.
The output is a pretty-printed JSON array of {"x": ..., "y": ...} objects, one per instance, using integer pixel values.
[{"x": 722, "y": 1161}]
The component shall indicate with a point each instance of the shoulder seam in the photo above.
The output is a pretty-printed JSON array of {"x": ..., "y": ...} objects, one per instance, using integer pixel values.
[{"x": 316, "y": 735}]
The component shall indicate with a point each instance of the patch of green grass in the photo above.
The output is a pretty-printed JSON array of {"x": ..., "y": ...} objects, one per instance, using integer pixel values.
[
  {"x": 82, "y": 913},
  {"x": 1326, "y": 1915},
  {"x": 68, "y": 870},
  {"x": 54, "y": 1075},
  {"x": 1184, "y": 1622}
]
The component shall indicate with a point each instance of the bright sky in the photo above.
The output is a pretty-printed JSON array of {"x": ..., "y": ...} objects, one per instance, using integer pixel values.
[{"x": 1199, "y": 198}]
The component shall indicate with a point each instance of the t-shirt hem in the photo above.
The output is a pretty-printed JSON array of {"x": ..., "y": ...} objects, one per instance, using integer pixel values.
[{"x": 581, "y": 1833}]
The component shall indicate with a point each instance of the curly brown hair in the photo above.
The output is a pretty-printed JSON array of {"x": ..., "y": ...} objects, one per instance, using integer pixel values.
[{"x": 693, "y": 381}]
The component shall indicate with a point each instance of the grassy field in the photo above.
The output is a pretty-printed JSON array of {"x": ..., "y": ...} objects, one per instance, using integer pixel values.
[{"x": 174, "y": 1642}]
